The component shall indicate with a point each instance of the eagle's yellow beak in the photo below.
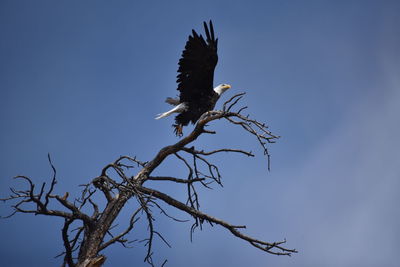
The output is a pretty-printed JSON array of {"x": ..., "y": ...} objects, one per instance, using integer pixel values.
[{"x": 227, "y": 86}]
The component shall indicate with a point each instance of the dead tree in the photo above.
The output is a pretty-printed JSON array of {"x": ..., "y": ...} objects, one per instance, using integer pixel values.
[{"x": 83, "y": 244}]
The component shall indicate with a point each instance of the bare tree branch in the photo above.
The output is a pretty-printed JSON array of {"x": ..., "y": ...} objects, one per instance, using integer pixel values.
[
  {"x": 68, "y": 248},
  {"x": 202, "y": 152},
  {"x": 265, "y": 246},
  {"x": 173, "y": 179}
]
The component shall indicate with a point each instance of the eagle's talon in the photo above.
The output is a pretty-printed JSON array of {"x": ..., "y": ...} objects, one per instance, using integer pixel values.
[{"x": 178, "y": 130}]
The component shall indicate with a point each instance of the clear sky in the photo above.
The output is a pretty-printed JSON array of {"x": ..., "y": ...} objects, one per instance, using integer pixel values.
[{"x": 83, "y": 80}]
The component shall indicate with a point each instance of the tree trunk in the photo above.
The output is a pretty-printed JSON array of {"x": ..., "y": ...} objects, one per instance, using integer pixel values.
[{"x": 94, "y": 235}]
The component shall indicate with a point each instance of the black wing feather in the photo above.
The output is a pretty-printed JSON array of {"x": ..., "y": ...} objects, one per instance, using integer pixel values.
[
  {"x": 207, "y": 32},
  {"x": 212, "y": 31},
  {"x": 196, "y": 67}
]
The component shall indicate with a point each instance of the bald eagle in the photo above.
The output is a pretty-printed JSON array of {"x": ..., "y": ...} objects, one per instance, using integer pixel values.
[{"x": 195, "y": 80}]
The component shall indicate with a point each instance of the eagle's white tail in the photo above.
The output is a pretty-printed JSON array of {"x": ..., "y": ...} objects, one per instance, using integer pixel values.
[{"x": 178, "y": 109}]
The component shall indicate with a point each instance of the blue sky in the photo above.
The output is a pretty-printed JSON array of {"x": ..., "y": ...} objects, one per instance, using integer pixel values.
[{"x": 83, "y": 81}]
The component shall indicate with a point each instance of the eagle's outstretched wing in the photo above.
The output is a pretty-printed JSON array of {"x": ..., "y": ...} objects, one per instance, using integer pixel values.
[{"x": 196, "y": 66}]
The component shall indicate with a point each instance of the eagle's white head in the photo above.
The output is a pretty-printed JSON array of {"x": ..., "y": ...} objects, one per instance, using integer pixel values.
[{"x": 220, "y": 89}]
